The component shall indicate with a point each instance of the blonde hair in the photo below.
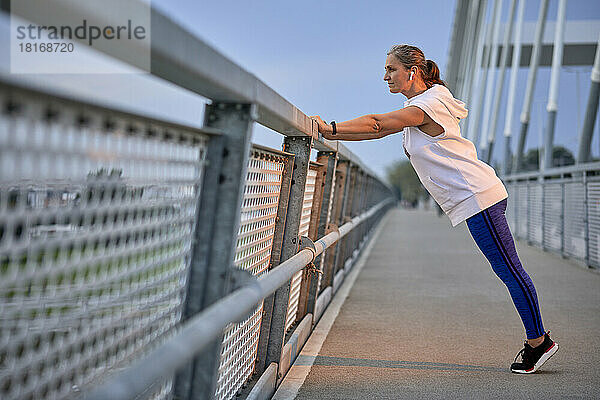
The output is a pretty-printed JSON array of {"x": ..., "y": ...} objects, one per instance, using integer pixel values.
[{"x": 410, "y": 56}]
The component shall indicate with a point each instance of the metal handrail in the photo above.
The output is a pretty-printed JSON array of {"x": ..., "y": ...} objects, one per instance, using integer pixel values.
[
  {"x": 178, "y": 56},
  {"x": 592, "y": 166},
  {"x": 205, "y": 327}
]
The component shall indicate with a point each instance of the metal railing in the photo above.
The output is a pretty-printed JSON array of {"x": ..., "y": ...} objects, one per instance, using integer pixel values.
[
  {"x": 558, "y": 210},
  {"x": 145, "y": 259}
]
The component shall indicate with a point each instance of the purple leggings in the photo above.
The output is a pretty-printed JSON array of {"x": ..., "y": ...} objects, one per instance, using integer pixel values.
[{"x": 490, "y": 231}]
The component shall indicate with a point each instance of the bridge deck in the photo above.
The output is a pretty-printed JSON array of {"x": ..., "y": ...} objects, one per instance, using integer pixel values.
[{"x": 428, "y": 318}]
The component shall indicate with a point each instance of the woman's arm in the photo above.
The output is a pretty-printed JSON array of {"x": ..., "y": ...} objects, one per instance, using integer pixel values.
[{"x": 372, "y": 126}]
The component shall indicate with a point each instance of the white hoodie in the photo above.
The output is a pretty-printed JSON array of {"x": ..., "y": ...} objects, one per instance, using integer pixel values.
[{"x": 447, "y": 164}]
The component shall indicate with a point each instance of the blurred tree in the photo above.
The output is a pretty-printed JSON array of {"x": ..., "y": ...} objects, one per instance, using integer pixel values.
[
  {"x": 405, "y": 181},
  {"x": 561, "y": 156}
]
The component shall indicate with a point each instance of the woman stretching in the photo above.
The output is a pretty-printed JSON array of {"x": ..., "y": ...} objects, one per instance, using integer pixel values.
[{"x": 463, "y": 186}]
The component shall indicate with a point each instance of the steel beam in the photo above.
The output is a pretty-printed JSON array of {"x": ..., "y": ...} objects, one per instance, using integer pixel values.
[
  {"x": 205, "y": 222},
  {"x": 300, "y": 147},
  {"x": 467, "y": 49},
  {"x": 512, "y": 88},
  {"x": 209, "y": 280},
  {"x": 480, "y": 79},
  {"x": 265, "y": 326},
  {"x": 490, "y": 84},
  {"x": 498, "y": 94},
  {"x": 341, "y": 179},
  {"x": 474, "y": 69},
  {"x": 459, "y": 28},
  {"x": 546, "y": 151},
  {"x": 531, "y": 78},
  {"x": 329, "y": 161},
  {"x": 585, "y": 140}
]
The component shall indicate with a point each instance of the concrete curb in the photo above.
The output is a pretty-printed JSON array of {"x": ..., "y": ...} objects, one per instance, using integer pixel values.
[
  {"x": 294, "y": 345},
  {"x": 265, "y": 387}
]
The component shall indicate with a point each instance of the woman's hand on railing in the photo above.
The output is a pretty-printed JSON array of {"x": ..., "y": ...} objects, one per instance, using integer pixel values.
[{"x": 324, "y": 128}]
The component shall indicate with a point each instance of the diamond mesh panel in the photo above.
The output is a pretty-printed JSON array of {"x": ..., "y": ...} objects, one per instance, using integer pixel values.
[
  {"x": 575, "y": 220},
  {"x": 96, "y": 220},
  {"x": 329, "y": 219},
  {"x": 593, "y": 198},
  {"x": 553, "y": 216},
  {"x": 309, "y": 192},
  {"x": 253, "y": 253},
  {"x": 535, "y": 213}
]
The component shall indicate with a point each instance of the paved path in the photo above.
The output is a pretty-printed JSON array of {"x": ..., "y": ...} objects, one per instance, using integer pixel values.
[{"x": 427, "y": 318}]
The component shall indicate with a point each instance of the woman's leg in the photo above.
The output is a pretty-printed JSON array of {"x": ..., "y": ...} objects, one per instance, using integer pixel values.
[{"x": 490, "y": 231}]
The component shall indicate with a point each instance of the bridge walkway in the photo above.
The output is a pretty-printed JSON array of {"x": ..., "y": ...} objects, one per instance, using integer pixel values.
[{"x": 426, "y": 317}]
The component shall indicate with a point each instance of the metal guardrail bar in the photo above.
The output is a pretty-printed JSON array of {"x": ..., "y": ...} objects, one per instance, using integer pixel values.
[
  {"x": 181, "y": 58},
  {"x": 201, "y": 330},
  {"x": 61, "y": 100},
  {"x": 594, "y": 166},
  {"x": 557, "y": 210}
]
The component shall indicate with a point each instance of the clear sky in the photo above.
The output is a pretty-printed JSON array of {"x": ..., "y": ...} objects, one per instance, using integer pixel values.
[{"x": 327, "y": 58}]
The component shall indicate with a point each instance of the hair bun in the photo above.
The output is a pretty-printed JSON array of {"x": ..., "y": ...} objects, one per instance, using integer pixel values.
[{"x": 430, "y": 65}]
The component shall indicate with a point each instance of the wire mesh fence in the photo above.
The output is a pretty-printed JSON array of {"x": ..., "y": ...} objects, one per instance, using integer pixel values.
[
  {"x": 253, "y": 253},
  {"x": 560, "y": 213},
  {"x": 97, "y": 213}
]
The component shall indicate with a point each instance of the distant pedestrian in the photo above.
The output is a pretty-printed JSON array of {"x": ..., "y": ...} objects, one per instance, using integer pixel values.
[{"x": 465, "y": 188}]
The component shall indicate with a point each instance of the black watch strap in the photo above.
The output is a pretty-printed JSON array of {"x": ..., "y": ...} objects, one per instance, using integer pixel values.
[{"x": 334, "y": 128}]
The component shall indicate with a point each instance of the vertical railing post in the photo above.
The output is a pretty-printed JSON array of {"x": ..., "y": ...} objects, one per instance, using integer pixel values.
[
  {"x": 356, "y": 198},
  {"x": 541, "y": 182},
  {"x": 300, "y": 146},
  {"x": 563, "y": 218},
  {"x": 528, "y": 212},
  {"x": 307, "y": 274},
  {"x": 586, "y": 219},
  {"x": 309, "y": 291},
  {"x": 341, "y": 183},
  {"x": 362, "y": 190},
  {"x": 201, "y": 248},
  {"x": 515, "y": 217},
  {"x": 347, "y": 213},
  {"x": 265, "y": 325},
  {"x": 317, "y": 202},
  {"x": 351, "y": 243},
  {"x": 215, "y": 241},
  {"x": 365, "y": 191}
]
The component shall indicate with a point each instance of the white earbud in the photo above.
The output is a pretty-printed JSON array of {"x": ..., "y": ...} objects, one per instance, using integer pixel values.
[{"x": 411, "y": 75}]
